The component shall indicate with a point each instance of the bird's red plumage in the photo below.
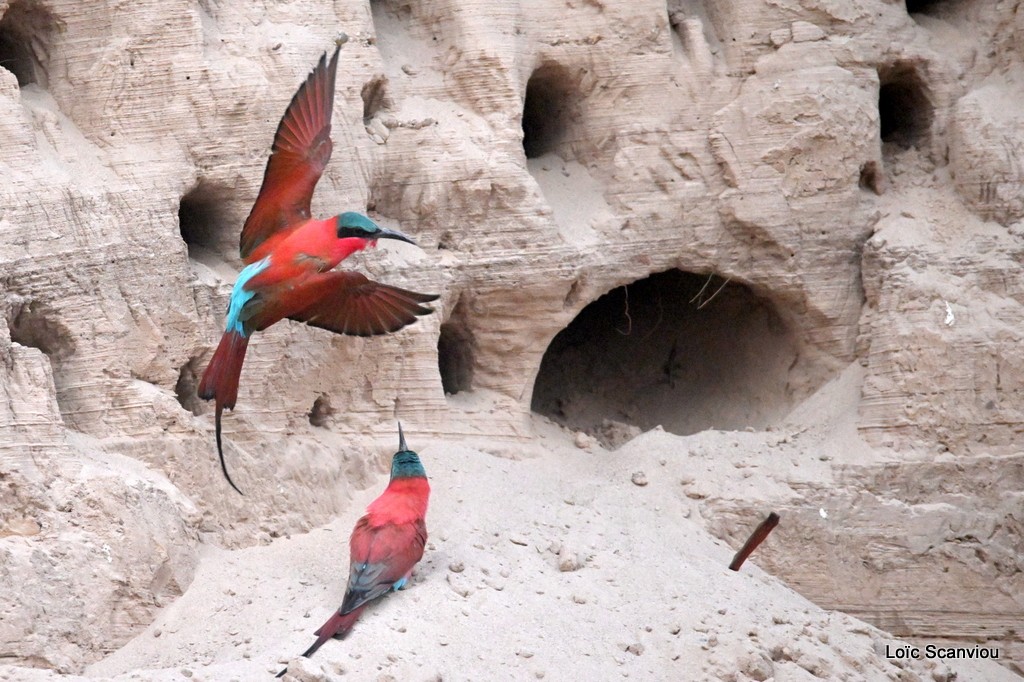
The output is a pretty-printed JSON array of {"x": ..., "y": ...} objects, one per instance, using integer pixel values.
[
  {"x": 386, "y": 543},
  {"x": 220, "y": 380},
  {"x": 311, "y": 246},
  {"x": 302, "y": 148},
  {"x": 404, "y": 501},
  {"x": 289, "y": 254},
  {"x": 348, "y": 303}
]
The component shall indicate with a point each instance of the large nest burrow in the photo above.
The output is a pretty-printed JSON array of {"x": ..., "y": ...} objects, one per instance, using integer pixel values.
[
  {"x": 204, "y": 219},
  {"x": 27, "y": 29},
  {"x": 905, "y": 110},
  {"x": 550, "y": 108},
  {"x": 456, "y": 350},
  {"x": 687, "y": 351}
]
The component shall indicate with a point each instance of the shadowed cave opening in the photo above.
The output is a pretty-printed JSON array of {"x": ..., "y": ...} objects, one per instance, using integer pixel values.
[
  {"x": 321, "y": 412},
  {"x": 374, "y": 96},
  {"x": 26, "y": 29},
  {"x": 203, "y": 216},
  {"x": 455, "y": 352},
  {"x": 871, "y": 177},
  {"x": 904, "y": 106},
  {"x": 923, "y": 6},
  {"x": 549, "y": 109},
  {"x": 687, "y": 351},
  {"x": 36, "y": 325},
  {"x": 188, "y": 382}
]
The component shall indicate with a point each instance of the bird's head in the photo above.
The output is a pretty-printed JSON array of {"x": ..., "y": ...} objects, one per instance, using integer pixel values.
[
  {"x": 406, "y": 463},
  {"x": 356, "y": 225}
]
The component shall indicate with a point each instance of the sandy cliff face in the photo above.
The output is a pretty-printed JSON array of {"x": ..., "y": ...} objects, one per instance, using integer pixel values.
[{"x": 838, "y": 184}]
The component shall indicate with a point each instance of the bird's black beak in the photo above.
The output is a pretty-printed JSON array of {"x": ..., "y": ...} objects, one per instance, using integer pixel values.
[
  {"x": 402, "y": 447},
  {"x": 394, "y": 234}
]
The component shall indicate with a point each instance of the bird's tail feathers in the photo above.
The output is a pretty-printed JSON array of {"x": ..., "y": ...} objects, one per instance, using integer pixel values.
[
  {"x": 220, "y": 383},
  {"x": 337, "y": 625}
]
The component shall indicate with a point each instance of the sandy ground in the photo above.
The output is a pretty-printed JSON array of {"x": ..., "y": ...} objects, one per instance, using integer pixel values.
[{"x": 566, "y": 564}]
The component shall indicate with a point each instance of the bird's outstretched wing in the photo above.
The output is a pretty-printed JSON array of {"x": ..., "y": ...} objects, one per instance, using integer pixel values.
[
  {"x": 348, "y": 303},
  {"x": 302, "y": 148}
]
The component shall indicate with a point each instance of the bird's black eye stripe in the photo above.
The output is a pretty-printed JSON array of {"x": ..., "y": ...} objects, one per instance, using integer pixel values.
[{"x": 361, "y": 232}]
